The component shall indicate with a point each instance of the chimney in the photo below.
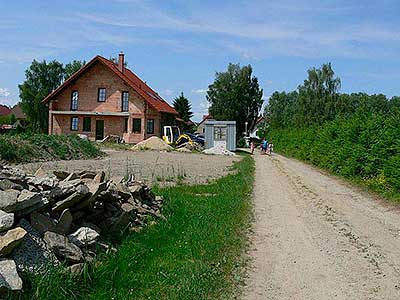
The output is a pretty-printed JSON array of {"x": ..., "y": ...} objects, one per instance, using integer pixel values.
[{"x": 121, "y": 61}]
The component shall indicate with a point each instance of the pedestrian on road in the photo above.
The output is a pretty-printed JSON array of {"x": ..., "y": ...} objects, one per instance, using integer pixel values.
[{"x": 252, "y": 146}]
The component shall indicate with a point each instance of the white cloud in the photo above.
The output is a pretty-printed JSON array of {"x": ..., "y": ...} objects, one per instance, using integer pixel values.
[
  {"x": 204, "y": 105},
  {"x": 199, "y": 91},
  {"x": 168, "y": 92},
  {"x": 4, "y": 92}
]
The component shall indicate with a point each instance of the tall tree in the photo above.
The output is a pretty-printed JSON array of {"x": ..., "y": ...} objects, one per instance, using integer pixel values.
[
  {"x": 73, "y": 67},
  {"x": 184, "y": 108},
  {"x": 318, "y": 95},
  {"x": 41, "y": 79},
  {"x": 235, "y": 95}
]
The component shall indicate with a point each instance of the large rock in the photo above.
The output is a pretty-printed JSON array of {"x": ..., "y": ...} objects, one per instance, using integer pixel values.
[
  {"x": 71, "y": 177},
  {"x": 6, "y": 220},
  {"x": 42, "y": 222},
  {"x": 40, "y": 173},
  {"x": 84, "y": 236},
  {"x": 9, "y": 278},
  {"x": 64, "y": 222},
  {"x": 81, "y": 192},
  {"x": 28, "y": 202},
  {"x": 87, "y": 175},
  {"x": 63, "y": 190},
  {"x": 76, "y": 268},
  {"x": 63, "y": 248},
  {"x": 99, "y": 178},
  {"x": 61, "y": 175},
  {"x": 116, "y": 223},
  {"x": 8, "y": 200},
  {"x": 6, "y": 184},
  {"x": 123, "y": 191},
  {"x": 10, "y": 240},
  {"x": 42, "y": 183},
  {"x": 95, "y": 189},
  {"x": 32, "y": 255}
]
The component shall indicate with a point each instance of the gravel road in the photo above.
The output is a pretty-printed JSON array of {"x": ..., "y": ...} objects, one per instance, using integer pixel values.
[
  {"x": 316, "y": 237},
  {"x": 165, "y": 168}
]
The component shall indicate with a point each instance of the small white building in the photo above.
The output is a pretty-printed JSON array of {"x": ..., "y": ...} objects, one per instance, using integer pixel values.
[{"x": 220, "y": 133}]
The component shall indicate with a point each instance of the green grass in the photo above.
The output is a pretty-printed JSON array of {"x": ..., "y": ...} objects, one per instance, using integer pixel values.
[
  {"x": 196, "y": 253},
  {"x": 26, "y": 147}
]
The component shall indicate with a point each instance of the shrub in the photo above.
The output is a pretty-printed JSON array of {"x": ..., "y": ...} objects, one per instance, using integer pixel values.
[{"x": 364, "y": 147}]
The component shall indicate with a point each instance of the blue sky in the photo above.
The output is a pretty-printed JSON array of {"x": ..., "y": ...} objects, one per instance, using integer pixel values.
[{"x": 179, "y": 45}]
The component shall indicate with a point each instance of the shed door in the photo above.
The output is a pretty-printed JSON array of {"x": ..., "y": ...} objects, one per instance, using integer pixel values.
[{"x": 99, "y": 130}]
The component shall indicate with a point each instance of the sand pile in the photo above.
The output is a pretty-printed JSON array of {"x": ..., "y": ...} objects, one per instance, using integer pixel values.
[
  {"x": 152, "y": 143},
  {"x": 218, "y": 150}
]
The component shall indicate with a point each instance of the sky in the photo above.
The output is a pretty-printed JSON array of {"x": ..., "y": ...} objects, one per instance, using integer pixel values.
[{"x": 177, "y": 46}]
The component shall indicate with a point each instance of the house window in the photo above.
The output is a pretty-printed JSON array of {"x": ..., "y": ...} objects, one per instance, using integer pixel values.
[
  {"x": 126, "y": 125},
  {"x": 74, "y": 100},
  {"x": 137, "y": 125},
  {"x": 150, "y": 126},
  {"x": 74, "y": 123},
  {"x": 101, "y": 95},
  {"x": 87, "y": 124},
  {"x": 125, "y": 101}
]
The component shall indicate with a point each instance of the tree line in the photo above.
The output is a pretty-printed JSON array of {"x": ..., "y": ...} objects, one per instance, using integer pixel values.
[
  {"x": 353, "y": 135},
  {"x": 318, "y": 100}
]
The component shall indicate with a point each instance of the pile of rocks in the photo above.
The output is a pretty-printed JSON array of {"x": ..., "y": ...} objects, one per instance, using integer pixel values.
[{"x": 59, "y": 219}]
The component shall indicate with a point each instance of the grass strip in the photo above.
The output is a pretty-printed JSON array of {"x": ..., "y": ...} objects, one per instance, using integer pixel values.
[
  {"x": 195, "y": 253},
  {"x": 27, "y": 147}
]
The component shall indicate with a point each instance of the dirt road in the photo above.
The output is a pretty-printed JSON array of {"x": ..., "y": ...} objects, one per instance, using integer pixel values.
[{"x": 318, "y": 238}]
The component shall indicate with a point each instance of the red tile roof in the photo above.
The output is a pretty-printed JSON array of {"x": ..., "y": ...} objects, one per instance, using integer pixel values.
[
  {"x": 4, "y": 110},
  {"x": 128, "y": 77},
  {"x": 17, "y": 112}
]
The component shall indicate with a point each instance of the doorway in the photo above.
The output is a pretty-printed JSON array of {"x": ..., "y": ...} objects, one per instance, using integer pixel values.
[{"x": 99, "y": 130}]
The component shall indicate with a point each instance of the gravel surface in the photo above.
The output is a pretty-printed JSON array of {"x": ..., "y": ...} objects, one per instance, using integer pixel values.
[
  {"x": 165, "y": 168},
  {"x": 317, "y": 238}
]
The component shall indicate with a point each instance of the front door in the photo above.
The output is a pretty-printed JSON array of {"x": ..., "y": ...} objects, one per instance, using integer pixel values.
[{"x": 99, "y": 130}]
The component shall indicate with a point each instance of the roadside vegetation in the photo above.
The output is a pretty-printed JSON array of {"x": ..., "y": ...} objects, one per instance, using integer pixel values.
[
  {"x": 196, "y": 252},
  {"x": 356, "y": 136},
  {"x": 27, "y": 147}
]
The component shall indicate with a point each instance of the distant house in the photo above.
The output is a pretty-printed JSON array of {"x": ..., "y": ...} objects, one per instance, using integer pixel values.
[
  {"x": 106, "y": 98},
  {"x": 17, "y": 112},
  {"x": 200, "y": 126},
  {"x": 4, "y": 110}
]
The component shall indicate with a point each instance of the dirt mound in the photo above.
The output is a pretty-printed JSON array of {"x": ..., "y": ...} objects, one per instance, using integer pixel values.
[{"x": 152, "y": 143}]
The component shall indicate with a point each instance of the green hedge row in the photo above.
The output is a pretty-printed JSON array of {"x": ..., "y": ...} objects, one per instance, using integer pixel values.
[
  {"x": 28, "y": 147},
  {"x": 362, "y": 148}
]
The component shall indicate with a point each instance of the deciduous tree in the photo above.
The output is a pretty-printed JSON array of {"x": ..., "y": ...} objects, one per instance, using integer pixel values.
[
  {"x": 41, "y": 79},
  {"x": 236, "y": 95}
]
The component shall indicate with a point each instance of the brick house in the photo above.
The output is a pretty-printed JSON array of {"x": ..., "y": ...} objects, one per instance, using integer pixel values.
[{"x": 106, "y": 98}]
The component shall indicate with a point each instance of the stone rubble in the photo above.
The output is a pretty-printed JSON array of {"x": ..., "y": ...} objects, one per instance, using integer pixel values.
[{"x": 62, "y": 218}]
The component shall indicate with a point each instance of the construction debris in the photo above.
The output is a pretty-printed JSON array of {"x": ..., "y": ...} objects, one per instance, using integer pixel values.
[
  {"x": 218, "y": 150},
  {"x": 62, "y": 218},
  {"x": 153, "y": 143}
]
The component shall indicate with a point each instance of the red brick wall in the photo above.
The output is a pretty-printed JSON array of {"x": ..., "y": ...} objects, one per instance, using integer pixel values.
[{"x": 99, "y": 76}]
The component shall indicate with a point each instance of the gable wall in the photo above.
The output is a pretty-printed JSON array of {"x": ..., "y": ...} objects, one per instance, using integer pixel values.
[{"x": 98, "y": 76}]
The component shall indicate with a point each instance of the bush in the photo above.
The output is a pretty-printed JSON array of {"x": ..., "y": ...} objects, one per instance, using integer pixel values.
[
  {"x": 26, "y": 147},
  {"x": 364, "y": 148}
]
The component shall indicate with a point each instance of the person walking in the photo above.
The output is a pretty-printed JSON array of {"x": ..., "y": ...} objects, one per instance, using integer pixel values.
[{"x": 252, "y": 146}]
